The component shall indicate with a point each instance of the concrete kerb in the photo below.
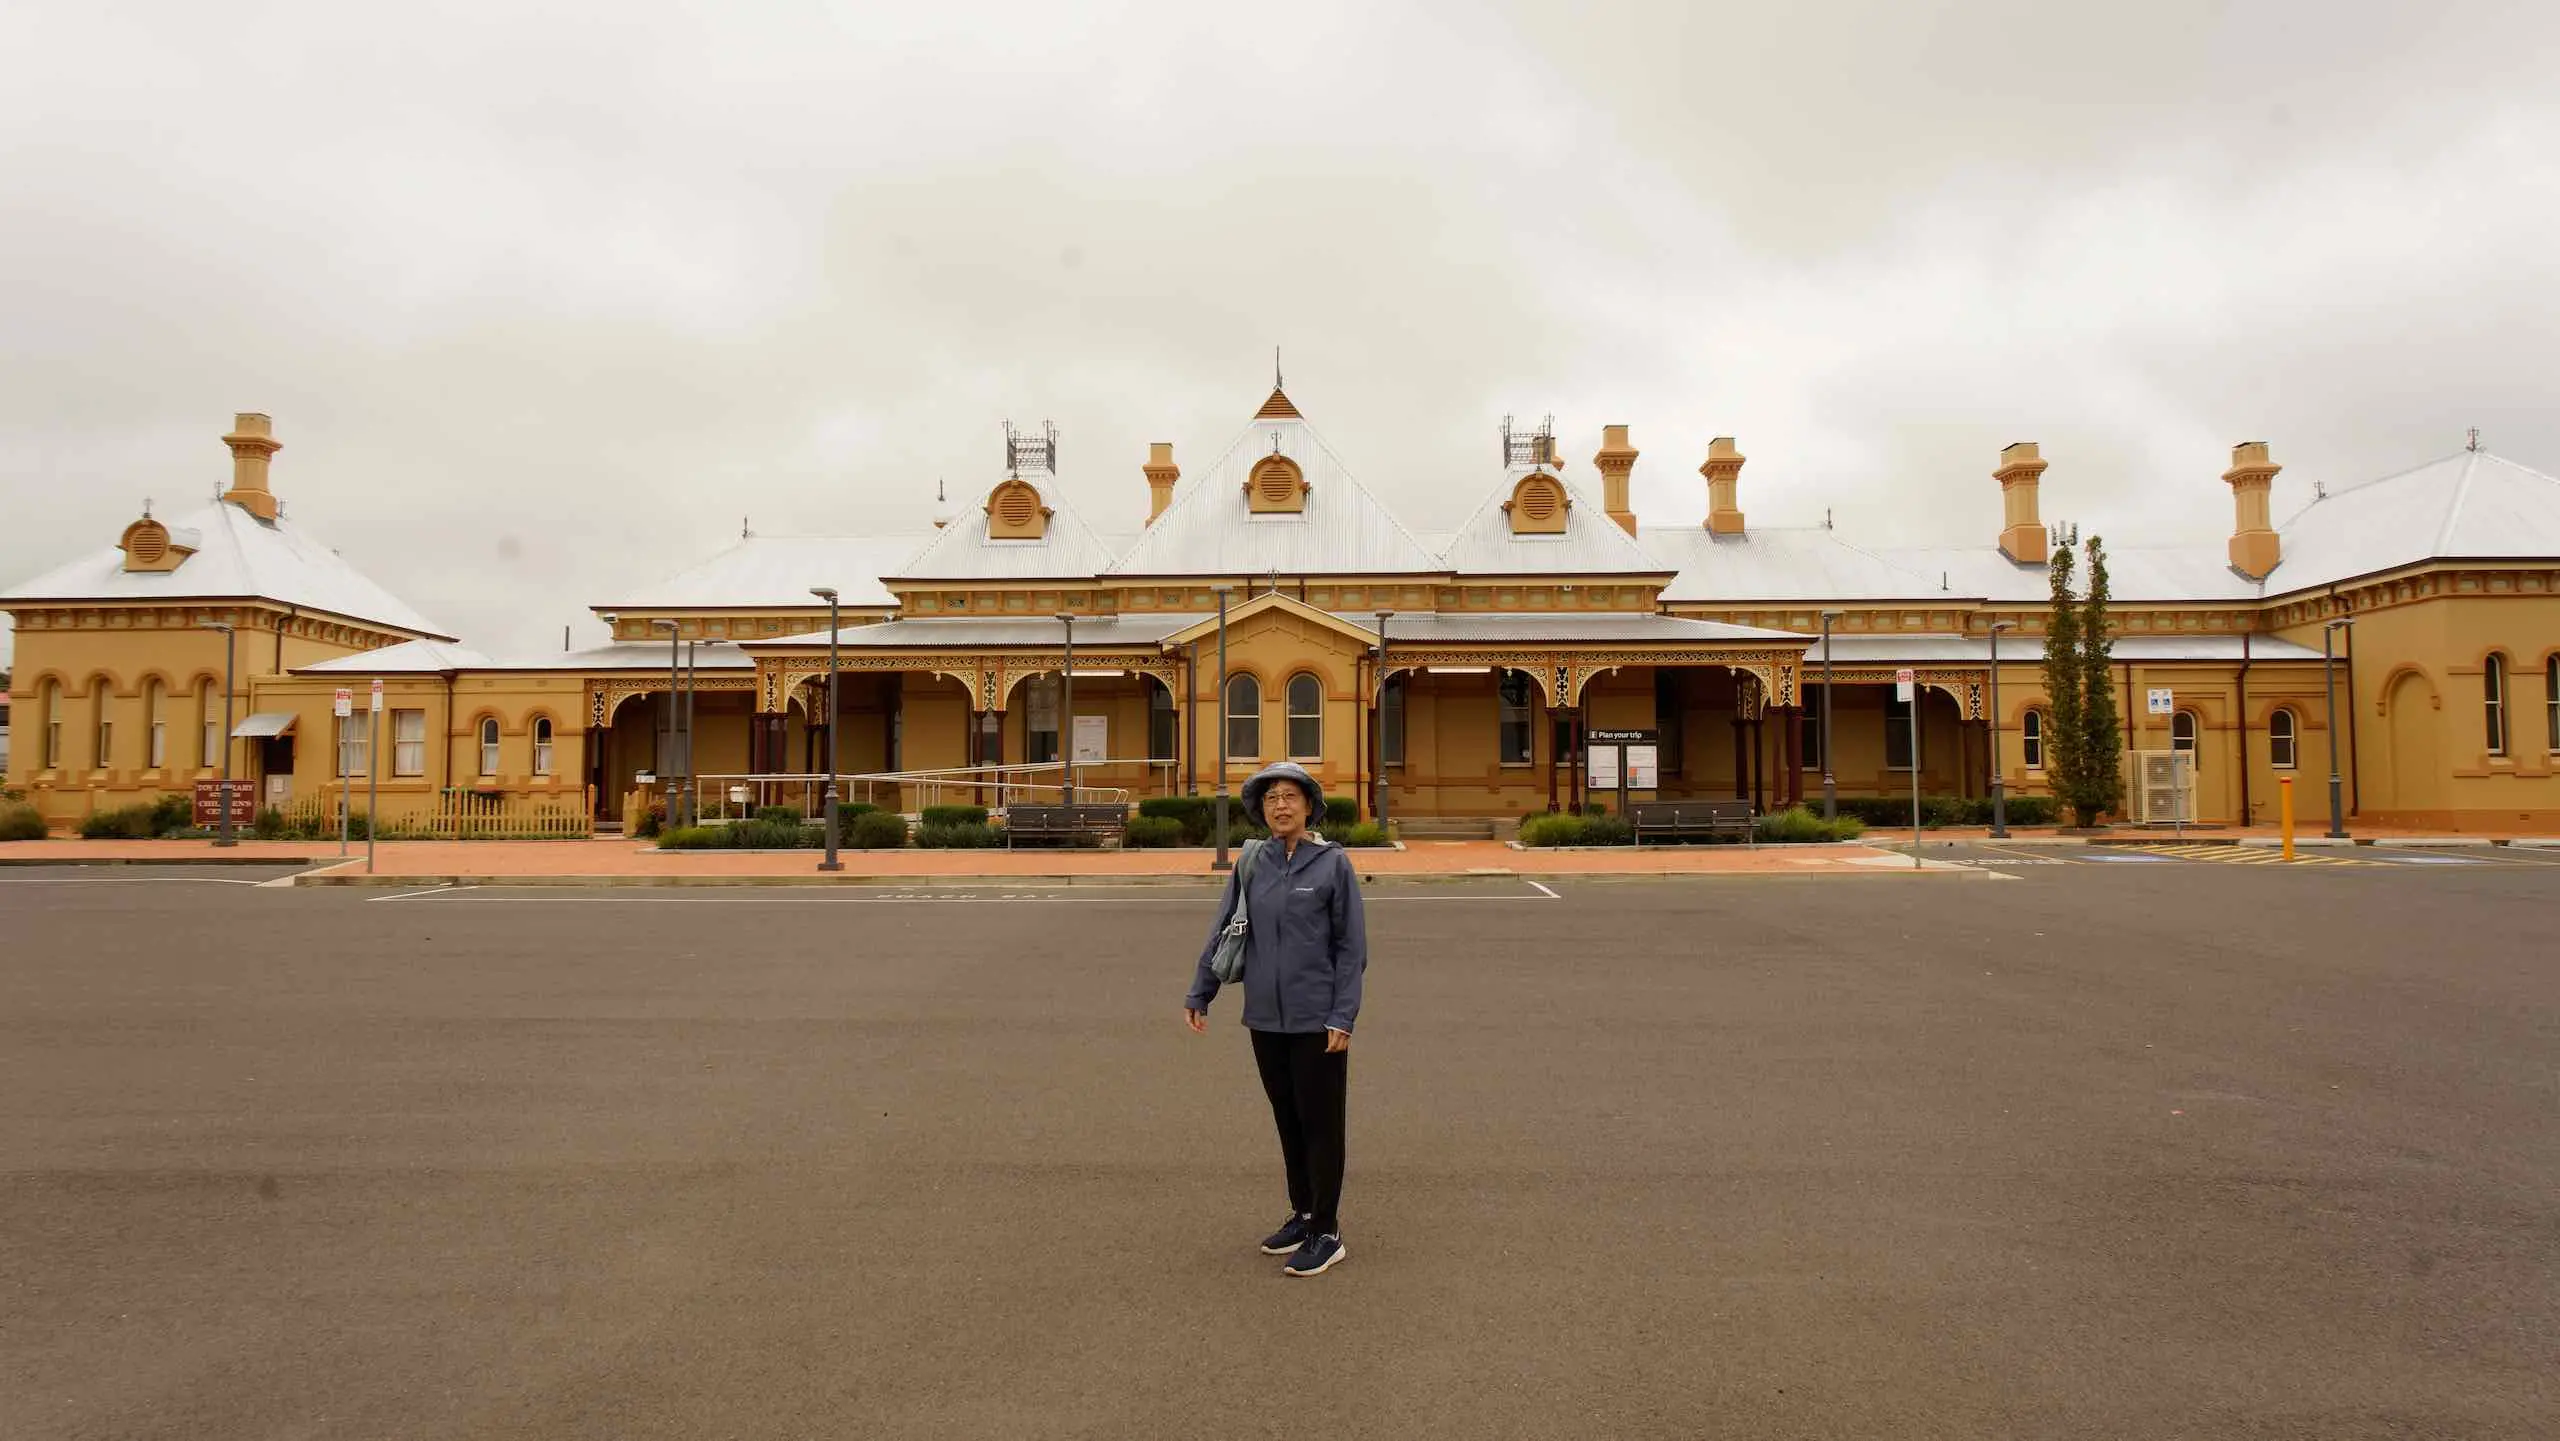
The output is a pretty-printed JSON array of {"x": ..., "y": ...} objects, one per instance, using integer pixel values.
[{"x": 68, "y": 862}]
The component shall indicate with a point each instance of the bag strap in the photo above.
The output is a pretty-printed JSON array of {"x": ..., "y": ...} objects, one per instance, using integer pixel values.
[{"x": 1244, "y": 873}]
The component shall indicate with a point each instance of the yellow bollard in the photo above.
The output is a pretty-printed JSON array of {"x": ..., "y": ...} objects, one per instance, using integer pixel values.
[{"x": 2284, "y": 790}]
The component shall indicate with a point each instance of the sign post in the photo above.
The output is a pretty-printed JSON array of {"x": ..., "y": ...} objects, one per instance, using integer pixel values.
[
  {"x": 373, "y": 775},
  {"x": 1906, "y": 689},
  {"x": 342, "y": 706}
]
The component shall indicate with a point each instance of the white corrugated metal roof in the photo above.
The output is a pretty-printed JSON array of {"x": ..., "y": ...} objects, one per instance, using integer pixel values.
[
  {"x": 238, "y": 556},
  {"x": 1099, "y": 630},
  {"x": 1067, "y": 550},
  {"x": 2134, "y": 573},
  {"x": 1210, "y": 530},
  {"x": 2471, "y": 505},
  {"x": 2141, "y": 649},
  {"x": 1590, "y": 543},
  {"x": 408, "y": 658},
  {"x": 1431, "y": 627},
  {"x": 1809, "y": 563},
  {"x": 770, "y": 571}
]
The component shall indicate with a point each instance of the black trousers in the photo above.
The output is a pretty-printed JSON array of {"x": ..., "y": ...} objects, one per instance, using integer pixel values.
[{"x": 1307, "y": 1090}]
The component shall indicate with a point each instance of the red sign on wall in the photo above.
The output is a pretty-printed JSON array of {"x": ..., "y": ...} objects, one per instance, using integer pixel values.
[{"x": 209, "y": 801}]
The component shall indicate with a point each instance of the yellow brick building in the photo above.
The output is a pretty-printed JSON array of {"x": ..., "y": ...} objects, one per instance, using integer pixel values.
[{"x": 1467, "y": 668}]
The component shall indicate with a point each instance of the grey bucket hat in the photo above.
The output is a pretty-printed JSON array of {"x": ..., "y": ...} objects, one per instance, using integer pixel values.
[{"x": 1282, "y": 771}]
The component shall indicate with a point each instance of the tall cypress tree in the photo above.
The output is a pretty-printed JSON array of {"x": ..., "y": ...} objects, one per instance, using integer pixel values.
[
  {"x": 2101, "y": 729},
  {"x": 2062, "y": 662}
]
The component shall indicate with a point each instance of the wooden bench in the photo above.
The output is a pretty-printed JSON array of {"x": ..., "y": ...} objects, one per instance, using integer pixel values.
[
  {"x": 1070, "y": 824},
  {"x": 1693, "y": 818}
]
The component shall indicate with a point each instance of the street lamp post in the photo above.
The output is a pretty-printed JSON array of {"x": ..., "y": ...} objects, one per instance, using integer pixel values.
[
  {"x": 692, "y": 791},
  {"x": 1380, "y": 744},
  {"x": 1999, "y": 793},
  {"x": 1830, "y": 786},
  {"x": 1221, "y": 863},
  {"x": 833, "y": 861},
  {"x": 2329, "y": 683},
  {"x": 1067, "y": 709},
  {"x": 230, "y": 650},
  {"x": 675, "y": 694}
]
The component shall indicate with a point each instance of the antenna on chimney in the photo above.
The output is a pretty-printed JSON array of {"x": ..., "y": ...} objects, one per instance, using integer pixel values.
[{"x": 2474, "y": 443}]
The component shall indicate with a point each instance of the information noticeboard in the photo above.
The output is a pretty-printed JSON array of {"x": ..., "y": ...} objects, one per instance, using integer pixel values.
[
  {"x": 1602, "y": 767},
  {"x": 1642, "y": 767},
  {"x": 1093, "y": 739}
]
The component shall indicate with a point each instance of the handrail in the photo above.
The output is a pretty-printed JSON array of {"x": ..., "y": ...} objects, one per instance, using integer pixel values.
[{"x": 737, "y": 797}]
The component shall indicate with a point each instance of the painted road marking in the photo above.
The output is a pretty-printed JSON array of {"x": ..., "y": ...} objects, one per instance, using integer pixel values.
[
  {"x": 129, "y": 881},
  {"x": 428, "y": 891},
  {"x": 763, "y": 896},
  {"x": 2223, "y": 853}
]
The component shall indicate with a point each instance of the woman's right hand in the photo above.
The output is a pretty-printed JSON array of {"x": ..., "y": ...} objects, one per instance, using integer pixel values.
[{"x": 1198, "y": 1021}]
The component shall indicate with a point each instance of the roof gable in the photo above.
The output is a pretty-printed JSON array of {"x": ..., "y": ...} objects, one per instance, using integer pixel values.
[
  {"x": 1271, "y": 600},
  {"x": 1588, "y": 542}
]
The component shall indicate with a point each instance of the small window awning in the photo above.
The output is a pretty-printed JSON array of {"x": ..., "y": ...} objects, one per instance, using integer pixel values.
[{"x": 265, "y": 726}]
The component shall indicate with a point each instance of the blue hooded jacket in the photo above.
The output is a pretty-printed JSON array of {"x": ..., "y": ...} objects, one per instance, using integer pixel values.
[{"x": 1306, "y": 941}]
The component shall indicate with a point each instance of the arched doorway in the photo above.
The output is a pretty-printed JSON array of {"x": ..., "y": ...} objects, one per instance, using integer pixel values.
[{"x": 2410, "y": 712}]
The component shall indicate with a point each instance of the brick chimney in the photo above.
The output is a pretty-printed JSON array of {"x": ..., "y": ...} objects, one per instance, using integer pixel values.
[
  {"x": 2255, "y": 547},
  {"x": 251, "y": 440},
  {"x": 1723, "y": 471},
  {"x": 2022, "y": 533},
  {"x": 1161, "y": 474},
  {"x": 1616, "y": 460}
]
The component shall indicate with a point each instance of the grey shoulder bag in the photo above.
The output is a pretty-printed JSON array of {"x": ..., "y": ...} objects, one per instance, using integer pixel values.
[{"x": 1228, "y": 961}]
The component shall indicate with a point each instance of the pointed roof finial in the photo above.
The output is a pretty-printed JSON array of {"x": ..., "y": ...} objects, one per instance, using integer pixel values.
[
  {"x": 938, "y": 493},
  {"x": 2474, "y": 442},
  {"x": 1277, "y": 383},
  {"x": 146, "y": 503}
]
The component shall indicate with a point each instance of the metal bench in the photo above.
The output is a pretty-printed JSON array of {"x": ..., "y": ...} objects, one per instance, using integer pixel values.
[
  {"x": 1070, "y": 824},
  {"x": 1679, "y": 819}
]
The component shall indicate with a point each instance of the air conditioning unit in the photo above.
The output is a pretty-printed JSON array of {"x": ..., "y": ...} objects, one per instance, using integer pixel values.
[{"x": 2162, "y": 787}]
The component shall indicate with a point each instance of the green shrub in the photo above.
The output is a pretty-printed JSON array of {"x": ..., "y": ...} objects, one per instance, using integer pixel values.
[
  {"x": 1607, "y": 830},
  {"x": 953, "y": 816},
  {"x": 1360, "y": 835},
  {"x": 1798, "y": 825},
  {"x": 651, "y": 822},
  {"x": 1554, "y": 830},
  {"x": 780, "y": 815},
  {"x": 171, "y": 814},
  {"x": 955, "y": 835},
  {"x": 876, "y": 831},
  {"x": 775, "y": 835},
  {"x": 1340, "y": 811},
  {"x": 2032, "y": 810},
  {"x": 12, "y": 793},
  {"x": 847, "y": 810},
  {"x": 124, "y": 823},
  {"x": 1148, "y": 832},
  {"x": 1195, "y": 814},
  {"x": 693, "y": 838},
  {"x": 20, "y": 822}
]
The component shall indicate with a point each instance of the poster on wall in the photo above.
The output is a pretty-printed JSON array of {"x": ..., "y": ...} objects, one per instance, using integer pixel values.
[
  {"x": 1641, "y": 767},
  {"x": 1603, "y": 767},
  {"x": 1093, "y": 739}
]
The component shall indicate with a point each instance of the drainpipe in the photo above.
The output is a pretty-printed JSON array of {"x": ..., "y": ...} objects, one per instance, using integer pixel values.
[
  {"x": 290, "y": 614},
  {"x": 2247, "y": 817},
  {"x": 444, "y": 768}
]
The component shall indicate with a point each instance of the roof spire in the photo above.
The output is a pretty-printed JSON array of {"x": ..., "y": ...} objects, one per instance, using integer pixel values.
[{"x": 1277, "y": 383}]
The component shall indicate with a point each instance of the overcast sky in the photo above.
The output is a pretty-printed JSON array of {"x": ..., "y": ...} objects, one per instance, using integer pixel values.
[{"x": 546, "y": 299}]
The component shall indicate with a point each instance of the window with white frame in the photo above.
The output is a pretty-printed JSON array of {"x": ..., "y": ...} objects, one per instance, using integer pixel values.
[
  {"x": 2284, "y": 732},
  {"x": 2493, "y": 701},
  {"x": 2031, "y": 739},
  {"x": 353, "y": 746},
  {"x": 209, "y": 718},
  {"x": 1391, "y": 722},
  {"x": 488, "y": 746},
  {"x": 1306, "y": 717},
  {"x": 155, "y": 717},
  {"x": 408, "y": 743},
  {"x": 1244, "y": 718},
  {"x": 542, "y": 745},
  {"x": 103, "y": 697},
  {"x": 53, "y": 725},
  {"x": 1519, "y": 699}
]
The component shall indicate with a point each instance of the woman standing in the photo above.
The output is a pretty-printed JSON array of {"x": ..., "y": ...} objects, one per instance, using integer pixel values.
[{"x": 1305, "y": 949}]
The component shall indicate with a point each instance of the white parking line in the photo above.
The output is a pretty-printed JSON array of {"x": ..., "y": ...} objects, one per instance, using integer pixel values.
[
  {"x": 128, "y": 881},
  {"x": 428, "y": 891},
  {"x": 765, "y": 898}
]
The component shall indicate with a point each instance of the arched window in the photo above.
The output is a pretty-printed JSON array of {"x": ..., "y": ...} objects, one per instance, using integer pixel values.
[
  {"x": 1515, "y": 736},
  {"x": 2182, "y": 736},
  {"x": 542, "y": 745},
  {"x": 53, "y": 725},
  {"x": 1244, "y": 718},
  {"x": 155, "y": 720},
  {"x": 1163, "y": 735},
  {"x": 1306, "y": 717},
  {"x": 2282, "y": 731},
  {"x": 1391, "y": 723},
  {"x": 2551, "y": 700},
  {"x": 2493, "y": 702},
  {"x": 488, "y": 745},
  {"x": 209, "y": 724},
  {"x": 102, "y": 696},
  {"x": 2031, "y": 739}
]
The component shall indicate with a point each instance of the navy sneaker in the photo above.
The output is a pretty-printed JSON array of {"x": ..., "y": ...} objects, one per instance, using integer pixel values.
[
  {"x": 1292, "y": 1234},
  {"x": 1316, "y": 1257}
]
